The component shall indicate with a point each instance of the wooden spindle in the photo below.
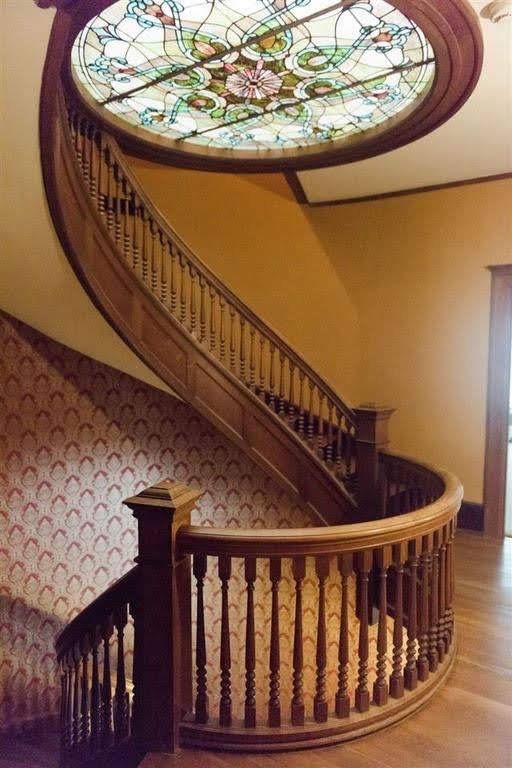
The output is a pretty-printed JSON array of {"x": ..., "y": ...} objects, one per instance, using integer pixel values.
[
  {"x": 193, "y": 301},
  {"x": 183, "y": 289},
  {"x": 311, "y": 423},
  {"x": 250, "y": 646},
  {"x": 411, "y": 670},
  {"x": 272, "y": 381},
  {"x": 301, "y": 422},
  {"x": 225, "y": 717},
  {"x": 174, "y": 279},
  {"x": 164, "y": 265},
  {"x": 261, "y": 392},
  {"x": 109, "y": 194},
  {"x": 84, "y": 692},
  {"x": 155, "y": 267},
  {"x": 320, "y": 706},
  {"x": 342, "y": 703},
  {"x": 127, "y": 242},
  {"x": 297, "y": 706},
  {"x": 213, "y": 323},
  {"x": 291, "y": 395},
  {"x": 106, "y": 687},
  {"x": 69, "y": 701},
  {"x": 62, "y": 716},
  {"x": 93, "y": 186},
  {"x": 274, "y": 702},
  {"x": 362, "y": 697},
  {"x": 423, "y": 667},
  {"x": 329, "y": 451},
  {"x": 95, "y": 639},
  {"x": 396, "y": 680},
  {"x": 320, "y": 431},
  {"x": 222, "y": 302},
  {"x": 201, "y": 704},
  {"x": 117, "y": 202},
  {"x": 252, "y": 358},
  {"x": 380, "y": 686},
  {"x": 135, "y": 233},
  {"x": 433, "y": 654},
  {"x": 137, "y": 666},
  {"x": 448, "y": 624},
  {"x": 232, "y": 339},
  {"x": 76, "y": 697},
  {"x": 281, "y": 407},
  {"x": 441, "y": 634},
  {"x": 339, "y": 444},
  {"x": 144, "y": 248},
  {"x": 121, "y": 706},
  {"x": 243, "y": 372}
]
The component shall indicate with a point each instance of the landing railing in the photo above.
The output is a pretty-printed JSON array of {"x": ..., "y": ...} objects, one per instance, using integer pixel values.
[
  {"x": 276, "y": 632},
  {"x": 207, "y": 310}
]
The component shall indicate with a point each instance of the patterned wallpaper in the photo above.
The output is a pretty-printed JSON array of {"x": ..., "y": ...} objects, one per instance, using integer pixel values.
[{"x": 76, "y": 438}]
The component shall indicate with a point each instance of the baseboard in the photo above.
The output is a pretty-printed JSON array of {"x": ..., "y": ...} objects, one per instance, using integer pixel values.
[{"x": 471, "y": 516}]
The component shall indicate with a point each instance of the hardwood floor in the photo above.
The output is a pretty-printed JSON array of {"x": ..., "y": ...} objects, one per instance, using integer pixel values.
[{"x": 468, "y": 724}]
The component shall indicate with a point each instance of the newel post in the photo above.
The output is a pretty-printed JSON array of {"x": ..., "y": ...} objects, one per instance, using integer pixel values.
[
  {"x": 163, "y": 688},
  {"x": 372, "y": 422}
]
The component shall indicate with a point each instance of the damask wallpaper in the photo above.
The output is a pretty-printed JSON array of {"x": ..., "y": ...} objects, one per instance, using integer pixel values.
[{"x": 76, "y": 438}]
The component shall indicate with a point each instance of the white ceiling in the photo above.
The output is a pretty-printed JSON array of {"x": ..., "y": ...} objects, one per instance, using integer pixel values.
[{"x": 476, "y": 142}]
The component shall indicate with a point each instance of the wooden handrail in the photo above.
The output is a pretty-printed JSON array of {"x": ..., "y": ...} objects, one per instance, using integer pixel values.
[
  {"x": 335, "y": 539},
  {"x": 121, "y": 591}
]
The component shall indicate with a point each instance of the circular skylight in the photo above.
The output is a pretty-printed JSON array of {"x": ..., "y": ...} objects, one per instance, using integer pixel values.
[{"x": 249, "y": 77}]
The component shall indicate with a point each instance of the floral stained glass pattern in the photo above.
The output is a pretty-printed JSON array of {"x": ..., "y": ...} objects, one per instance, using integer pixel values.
[{"x": 253, "y": 75}]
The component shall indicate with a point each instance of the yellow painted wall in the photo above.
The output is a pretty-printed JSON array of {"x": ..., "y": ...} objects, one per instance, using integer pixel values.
[
  {"x": 252, "y": 233},
  {"x": 415, "y": 267}
]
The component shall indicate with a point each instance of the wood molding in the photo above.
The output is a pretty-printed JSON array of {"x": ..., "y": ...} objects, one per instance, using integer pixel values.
[
  {"x": 300, "y": 196},
  {"x": 498, "y": 388},
  {"x": 471, "y": 516}
]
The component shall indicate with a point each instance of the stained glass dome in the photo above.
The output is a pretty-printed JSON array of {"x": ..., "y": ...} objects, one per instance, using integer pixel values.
[{"x": 250, "y": 77}]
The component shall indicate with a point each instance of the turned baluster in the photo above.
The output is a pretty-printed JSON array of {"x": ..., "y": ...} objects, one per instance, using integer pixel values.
[
  {"x": 362, "y": 697},
  {"x": 201, "y": 705},
  {"x": 93, "y": 160},
  {"x": 62, "y": 717},
  {"x": 380, "y": 686},
  {"x": 423, "y": 667},
  {"x": 349, "y": 449},
  {"x": 76, "y": 697},
  {"x": 340, "y": 422},
  {"x": 302, "y": 421},
  {"x": 174, "y": 280},
  {"x": 117, "y": 202},
  {"x": 193, "y": 301},
  {"x": 441, "y": 634},
  {"x": 183, "y": 288},
  {"x": 100, "y": 175},
  {"x": 311, "y": 423},
  {"x": 84, "y": 692},
  {"x": 411, "y": 670},
  {"x": 250, "y": 646},
  {"x": 320, "y": 432},
  {"x": 261, "y": 392},
  {"x": 297, "y": 706},
  {"x": 281, "y": 407},
  {"x": 329, "y": 452},
  {"x": 320, "y": 706},
  {"x": 202, "y": 309},
  {"x": 222, "y": 302},
  {"x": 136, "y": 667},
  {"x": 153, "y": 230},
  {"x": 83, "y": 151},
  {"x": 396, "y": 680},
  {"x": 232, "y": 339},
  {"x": 243, "y": 373},
  {"x": 398, "y": 505},
  {"x": 135, "y": 233},
  {"x": 95, "y": 639},
  {"x": 164, "y": 286},
  {"x": 291, "y": 397},
  {"x": 144, "y": 250},
  {"x": 252, "y": 358},
  {"x": 225, "y": 717},
  {"x": 121, "y": 704},
  {"x": 109, "y": 203},
  {"x": 342, "y": 703},
  {"x": 450, "y": 571},
  {"x": 433, "y": 654},
  {"x": 127, "y": 243},
  {"x": 272, "y": 378},
  {"x": 106, "y": 687},
  {"x": 274, "y": 703},
  {"x": 69, "y": 701},
  {"x": 213, "y": 324}
]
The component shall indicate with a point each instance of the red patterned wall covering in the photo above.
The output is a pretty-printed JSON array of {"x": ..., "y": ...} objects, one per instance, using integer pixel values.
[{"x": 77, "y": 437}]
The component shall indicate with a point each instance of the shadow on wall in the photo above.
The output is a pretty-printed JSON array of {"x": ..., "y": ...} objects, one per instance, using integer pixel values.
[{"x": 76, "y": 438}]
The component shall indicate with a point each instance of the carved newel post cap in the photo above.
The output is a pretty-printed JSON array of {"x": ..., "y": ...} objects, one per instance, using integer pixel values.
[
  {"x": 372, "y": 423},
  {"x": 166, "y": 494}
]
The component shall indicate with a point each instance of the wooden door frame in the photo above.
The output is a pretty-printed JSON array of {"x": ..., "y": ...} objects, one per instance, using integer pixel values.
[{"x": 498, "y": 387}]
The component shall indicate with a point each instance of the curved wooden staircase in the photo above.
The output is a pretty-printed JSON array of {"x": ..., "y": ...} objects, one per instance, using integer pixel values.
[{"x": 228, "y": 364}]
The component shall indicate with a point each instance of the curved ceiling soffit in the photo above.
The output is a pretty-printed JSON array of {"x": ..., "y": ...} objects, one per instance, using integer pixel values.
[{"x": 450, "y": 26}]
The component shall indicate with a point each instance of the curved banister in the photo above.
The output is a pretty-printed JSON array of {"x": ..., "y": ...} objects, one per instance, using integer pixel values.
[
  {"x": 335, "y": 539},
  {"x": 120, "y": 592}
]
